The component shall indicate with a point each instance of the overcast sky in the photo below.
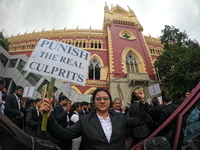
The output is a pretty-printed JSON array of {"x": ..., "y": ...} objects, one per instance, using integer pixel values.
[{"x": 20, "y": 16}]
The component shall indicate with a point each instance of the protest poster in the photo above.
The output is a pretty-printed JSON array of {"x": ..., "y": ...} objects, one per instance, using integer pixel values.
[
  {"x": 154, "y": 89},
  {"x": 157, "y": 88},
  {"x": 57, "y": 94},
  {"x": 68, "y": 89},
  {"x": 28, "y": 91},
  {"x": 59, "y": 60},
  {"x": 151, "y": 90}
]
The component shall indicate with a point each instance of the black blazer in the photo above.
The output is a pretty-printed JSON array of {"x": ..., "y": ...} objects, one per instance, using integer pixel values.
[
  {"x": 155, "y": 112},
  {"x": 60, "y": 115},
  {"x": 179, "y": 101},
  {"x": 89, "y": 127},
  {"x": 166, "y": 112},
  {"x": 32, "y": 119},
  {"x": 12, "y": 110},
  {"x": 142, "y": 131},
  {"x": 81, "y": 112}
]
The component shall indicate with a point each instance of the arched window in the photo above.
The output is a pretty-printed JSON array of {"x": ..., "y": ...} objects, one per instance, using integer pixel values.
[
  {"x": 80, "y": 44},
  {"x": 131, "y": 63},
  {"x": 95, "y": 45},
  {"x": 76, "y": 44},
  {"x": 92, "y": 46},
  {"x": 99, "y": 45},
  {"x": 94, "y": 69},
  {"x": 84, "y": 44}
]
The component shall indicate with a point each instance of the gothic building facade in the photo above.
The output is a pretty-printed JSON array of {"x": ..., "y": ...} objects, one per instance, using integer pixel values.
[{"x": 121, "y": 59}]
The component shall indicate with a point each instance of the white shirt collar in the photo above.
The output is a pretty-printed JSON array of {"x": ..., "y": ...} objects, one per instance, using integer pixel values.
[
  {"x": 117, "y": 111},
  {"x": 107, "y": 126},
  {"x": 17, "y": 97}
]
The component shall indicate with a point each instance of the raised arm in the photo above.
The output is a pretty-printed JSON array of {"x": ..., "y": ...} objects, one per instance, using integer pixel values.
[{"x": 55, "y": 129}]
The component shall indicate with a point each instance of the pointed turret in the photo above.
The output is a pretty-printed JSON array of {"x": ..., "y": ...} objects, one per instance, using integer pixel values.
[
  {"x": 133, "y": 16},
  {"x": 106, "y": 7},
  {"x": 106, "y": 16}
]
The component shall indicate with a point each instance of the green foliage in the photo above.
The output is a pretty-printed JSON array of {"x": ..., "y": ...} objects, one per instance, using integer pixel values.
[
  {"x": 4, "y": 42},
  {"x": 179, "y": 65}
]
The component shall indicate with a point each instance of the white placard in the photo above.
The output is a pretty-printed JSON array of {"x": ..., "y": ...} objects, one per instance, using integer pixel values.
[
  {"x": 154, "y": 89},
  {"x": 28, "y": 91},
  {"x": 160, "y": 99},
  {"x": 151, "y": 90},
  {"x": 157, "y": 88},
  {"x": 57, "y": 94},
  {"x": 59, "y": 60},
  {"x": 68, "y": 89}
]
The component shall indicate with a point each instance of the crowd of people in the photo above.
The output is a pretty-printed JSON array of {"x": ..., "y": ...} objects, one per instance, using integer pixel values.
[{"x": 102, "y": 124}]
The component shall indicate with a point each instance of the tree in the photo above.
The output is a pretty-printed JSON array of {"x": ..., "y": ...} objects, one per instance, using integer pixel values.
[
  {"x": 4, "y": 42},
  {"x": 179, "y": 65}
]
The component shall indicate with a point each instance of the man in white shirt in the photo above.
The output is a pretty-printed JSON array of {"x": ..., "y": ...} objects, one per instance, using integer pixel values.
[{"x": 13, "y": 109}]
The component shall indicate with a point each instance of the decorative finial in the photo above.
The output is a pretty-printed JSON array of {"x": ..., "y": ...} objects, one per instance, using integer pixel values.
[
  {"x": 149, "y": 34},
  {"x": 130, "y": 10},
  {"x": 106, "y": 7}
]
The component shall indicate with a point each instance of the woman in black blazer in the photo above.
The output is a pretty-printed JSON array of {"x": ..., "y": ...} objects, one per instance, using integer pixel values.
[{"x": 103, "y": 129}]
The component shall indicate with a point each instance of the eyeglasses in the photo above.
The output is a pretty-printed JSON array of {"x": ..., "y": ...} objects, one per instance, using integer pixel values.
[{"x": 102, "y": 98}]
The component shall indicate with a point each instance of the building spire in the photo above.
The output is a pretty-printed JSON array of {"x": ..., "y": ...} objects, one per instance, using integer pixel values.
[
  {"x": 130, "y": 10},
  {"x": 106, "y": 7}
]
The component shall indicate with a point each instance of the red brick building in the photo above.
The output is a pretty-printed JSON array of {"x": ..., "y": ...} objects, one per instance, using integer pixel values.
[{"x": 122, "y": 58}]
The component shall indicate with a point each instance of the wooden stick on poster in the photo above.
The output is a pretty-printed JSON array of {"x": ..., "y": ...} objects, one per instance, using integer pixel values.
[{"x": 49, "y": 93}]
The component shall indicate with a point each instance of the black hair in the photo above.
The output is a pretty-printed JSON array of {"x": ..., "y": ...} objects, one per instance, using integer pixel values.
[
  {"x": 154, "y": 101},
  {"x": 37, "y": 100},
  {"x": 74, "y": 106},
  {"x": 2, "y": 81},
  {"x": 188, "y": 91},
  {"x": 134, "y": 97},
  {"x": 62, "y": 98},
  {"x": 18, "y": 87},
  {"x": 167, "y": 98},
  {"x": 84, "y": 103},
  {"x": 179, "y": 95},
  {"x": 29, "y": 102},
  {"x": 104, "y": 90}
]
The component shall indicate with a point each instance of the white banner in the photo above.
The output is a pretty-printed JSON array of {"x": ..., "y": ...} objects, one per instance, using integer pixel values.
[
  {"x": 28, "y": 91},
  {"x": 68, "y": 89},
  {"x": 59, "y": 60},
  {"x": 151, "y": 90},
  {"x": 154, "y": 89},
  {"x": 157, "y": 88},
  {"x": 57, "y": 94}
]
